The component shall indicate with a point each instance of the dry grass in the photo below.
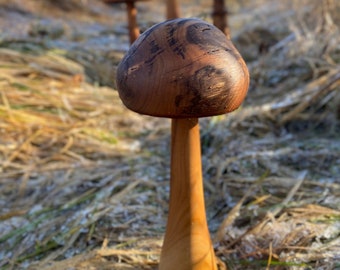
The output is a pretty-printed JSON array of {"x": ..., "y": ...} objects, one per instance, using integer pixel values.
[
  {"x": 58, "y": 134},
  {"x": 84, "y": 182}
]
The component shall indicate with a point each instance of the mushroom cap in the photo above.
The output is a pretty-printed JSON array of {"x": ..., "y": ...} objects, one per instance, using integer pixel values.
[{"x": 182, "y": 68}]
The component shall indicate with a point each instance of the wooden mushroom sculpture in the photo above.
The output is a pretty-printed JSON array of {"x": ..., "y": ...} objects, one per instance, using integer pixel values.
[
  {"x": 184, "y": 69},
  {"x": 131, "y": 11},
  {"x": 172, "y": 9},
  {"x": 220, "y": 16}
]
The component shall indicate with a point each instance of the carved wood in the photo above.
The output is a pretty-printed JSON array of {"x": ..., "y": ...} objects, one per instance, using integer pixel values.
[{"x": 187, "y": 244}]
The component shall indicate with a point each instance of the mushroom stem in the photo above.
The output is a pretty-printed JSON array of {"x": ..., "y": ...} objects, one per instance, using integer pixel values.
[
  {"x": 172, "y": 9},
  {"x": 132, "y": 19},
  {"x": 220, "y": 17},
  {"x": 187, "y": 244}
]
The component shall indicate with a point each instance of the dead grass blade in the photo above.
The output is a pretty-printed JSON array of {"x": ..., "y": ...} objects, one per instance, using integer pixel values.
[
  {"x": 290, "y": 194},
  {"x": 313, "y": 92}
]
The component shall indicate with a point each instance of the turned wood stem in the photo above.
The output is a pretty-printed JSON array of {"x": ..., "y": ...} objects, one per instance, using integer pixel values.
[
  {"x": 187, "y": 244},
  {"x": 220, "y": 17},
  {"x": 172, "y": 9},
  {"x": 132, "y": 19}
]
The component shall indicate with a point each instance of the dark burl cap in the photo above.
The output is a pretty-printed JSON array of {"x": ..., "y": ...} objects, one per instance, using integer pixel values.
[{"x": 182, "y": 68}]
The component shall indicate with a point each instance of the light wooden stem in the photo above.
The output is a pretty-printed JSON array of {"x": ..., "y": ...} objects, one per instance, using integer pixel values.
[{"x": 187, "y": 244}]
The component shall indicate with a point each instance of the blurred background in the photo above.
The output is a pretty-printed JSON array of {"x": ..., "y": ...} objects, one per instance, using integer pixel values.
[{"x": 84, "y": 182}]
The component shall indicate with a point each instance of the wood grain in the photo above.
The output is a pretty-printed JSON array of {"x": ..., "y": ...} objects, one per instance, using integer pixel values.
[
  {"x": 182, "y": 68},
  {"x": 187, "y": 244}
]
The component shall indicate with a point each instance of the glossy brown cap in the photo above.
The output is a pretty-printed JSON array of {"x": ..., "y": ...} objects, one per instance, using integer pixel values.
[{"x": 182, "y": 68}]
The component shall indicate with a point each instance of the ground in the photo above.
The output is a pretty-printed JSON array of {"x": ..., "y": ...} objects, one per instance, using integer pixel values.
[{"x": 84, "y": 182}]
